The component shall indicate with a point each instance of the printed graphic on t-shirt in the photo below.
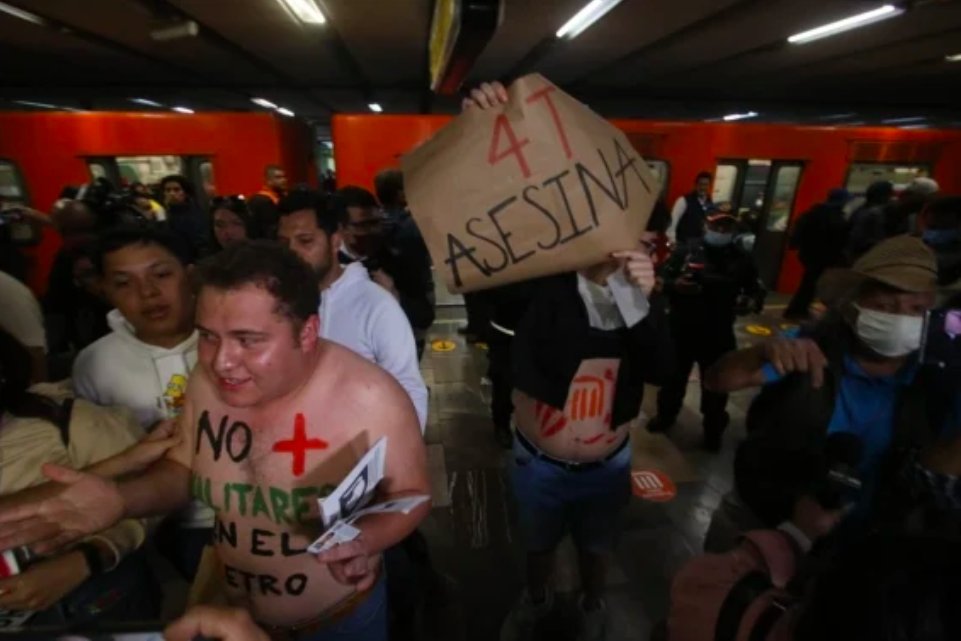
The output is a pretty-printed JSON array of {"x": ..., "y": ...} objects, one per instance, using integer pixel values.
[{"x": 174, "y": 395}]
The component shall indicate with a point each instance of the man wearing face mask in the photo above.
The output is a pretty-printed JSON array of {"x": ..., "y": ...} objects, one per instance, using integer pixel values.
[
  {"x": 857, "y": 370},
  {"x": 709, "y": 281},
  {"x": 396, "y": 257}
]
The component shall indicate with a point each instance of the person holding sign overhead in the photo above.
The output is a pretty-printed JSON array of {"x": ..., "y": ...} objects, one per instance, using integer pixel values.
[{"x": 581, "y": 354}]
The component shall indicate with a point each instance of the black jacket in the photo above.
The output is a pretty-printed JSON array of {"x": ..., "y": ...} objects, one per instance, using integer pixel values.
[
  {"x": 192, "y": 224},
  {"x": 820, "y": 236},
  {"x": 691, "y": 224},
  {"x": 406, "y": 260},
  {"x": 789, "y": 419},
  {"x": 554, "y": 337},
  {"x": 728, "y": 273}
]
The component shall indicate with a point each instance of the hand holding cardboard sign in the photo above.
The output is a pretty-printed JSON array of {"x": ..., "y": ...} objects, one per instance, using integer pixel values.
[
  {"x": 487, "y": 95},
  {"x": 639, "y": 269},
  {"x": 526, "y": 184}
]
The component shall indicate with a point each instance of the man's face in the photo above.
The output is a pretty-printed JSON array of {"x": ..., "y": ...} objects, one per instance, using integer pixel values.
[
  {"x": 174, "y": 194},
  {"x": 228, "y": 228},
  {"x": 277, "y": 180},
  {"x": 149, "y": 286},
  {"x": 892, "y": 302},
  {"x": 365, "y": 231},
  {"x": 703, "y": 187},
  {"x": 300, "y": 233},
  {"x": 251, "y": 353}
]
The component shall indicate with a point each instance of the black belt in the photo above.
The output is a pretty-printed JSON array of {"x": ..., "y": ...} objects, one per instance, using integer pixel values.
[{"x": 570, "y": 466}]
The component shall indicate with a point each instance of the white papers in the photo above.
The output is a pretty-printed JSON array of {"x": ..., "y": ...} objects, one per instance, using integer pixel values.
[
  {"x": 630, "y": 300},
  {"x": 348, "y": 502}
]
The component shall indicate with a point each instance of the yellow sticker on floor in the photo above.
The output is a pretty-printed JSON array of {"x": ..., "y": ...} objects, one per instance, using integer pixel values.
[
  {"x": 441, "y": 345},
  {"x": 758, "y": 330}
]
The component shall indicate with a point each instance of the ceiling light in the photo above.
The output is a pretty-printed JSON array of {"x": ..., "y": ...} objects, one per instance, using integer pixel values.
[
  {"x": 836, "y": 116},
  {"x": 263, "y": 102},
  {"x": 375, "y": 107},
  {"x": 744, "y": 116},
  {"x": 183, "y": 110},
  {"x": 17, "y": 12},
  {"x": 283, "y": 111},
  {"x": 176, "y": 30},
  {"x": 953, "y": 57},
  {"x": 146, "y": 102},
  {"x": 853, "y": 22},
  {"x": 898, "y": 121},
  {"x": 42, "y": 105},
  {"x": 583, "y": 19},
  {"x": 305, "y": 11}
]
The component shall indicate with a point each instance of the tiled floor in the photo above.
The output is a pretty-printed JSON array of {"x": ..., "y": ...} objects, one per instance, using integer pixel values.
[{"x": 472, "y": 534}]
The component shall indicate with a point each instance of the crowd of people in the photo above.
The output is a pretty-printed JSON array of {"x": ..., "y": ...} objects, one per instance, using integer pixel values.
[{"x": 196, "y": 379}]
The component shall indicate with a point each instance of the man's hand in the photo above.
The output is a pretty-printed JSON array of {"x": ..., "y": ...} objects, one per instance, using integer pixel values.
[
  {"x": 140, "y": 455},
  {"x": 796, "y": 355},
  {"x": 351, "y": 564},
  {"x": 383, "y": 279},
  {"x": 639, "y": 269},
  {"x": 209, "y": 622},
  {"x": 44, "y": 583},
  {"x": 85, "y": 504},
  {"x": 489, "y": 94}
]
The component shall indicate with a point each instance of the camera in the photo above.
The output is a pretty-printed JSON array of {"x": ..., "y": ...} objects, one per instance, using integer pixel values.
[{"x": 112, "y": 206}]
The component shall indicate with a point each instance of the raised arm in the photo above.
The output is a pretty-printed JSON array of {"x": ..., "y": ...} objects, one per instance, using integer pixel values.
[
  {"x": 83, "y": 503},
  {"x": 754, "y": 366}
]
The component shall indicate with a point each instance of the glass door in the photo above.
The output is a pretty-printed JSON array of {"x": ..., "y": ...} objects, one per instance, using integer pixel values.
[{"x": 776, "y": 209}]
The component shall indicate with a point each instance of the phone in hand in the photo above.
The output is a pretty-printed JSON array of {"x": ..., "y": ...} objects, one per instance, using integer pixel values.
[{"x": 941, "y": 339}]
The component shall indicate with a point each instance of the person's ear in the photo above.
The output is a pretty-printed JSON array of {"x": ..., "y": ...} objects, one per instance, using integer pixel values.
[{"x": 309, "y": 333}]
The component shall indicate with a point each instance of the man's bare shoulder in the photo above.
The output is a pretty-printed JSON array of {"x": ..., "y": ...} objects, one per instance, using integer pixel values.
[{"x": 357, "y": 382}]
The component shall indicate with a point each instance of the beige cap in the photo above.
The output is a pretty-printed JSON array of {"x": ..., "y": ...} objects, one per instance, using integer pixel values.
[{"x": 903, "y": 262}]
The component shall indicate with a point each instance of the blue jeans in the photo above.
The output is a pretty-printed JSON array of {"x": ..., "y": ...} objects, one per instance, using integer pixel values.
[
  {"x": 368, "y": 621},
  {"x": 554, "y": 501}
]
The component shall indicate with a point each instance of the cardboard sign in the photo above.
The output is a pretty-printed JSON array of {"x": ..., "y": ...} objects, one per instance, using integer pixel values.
[{"x": 539, "y": 186}]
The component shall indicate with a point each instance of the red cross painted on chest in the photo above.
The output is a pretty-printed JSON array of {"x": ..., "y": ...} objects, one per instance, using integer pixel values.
[{"x": 298, "y": 445}]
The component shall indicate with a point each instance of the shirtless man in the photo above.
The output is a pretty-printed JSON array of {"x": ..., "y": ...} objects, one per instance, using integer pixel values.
[
  {"x": 580, "y": 357},
  {"x": 273, "y": 417}
]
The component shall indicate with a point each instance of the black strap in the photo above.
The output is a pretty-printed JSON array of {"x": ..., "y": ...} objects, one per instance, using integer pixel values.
[
  {"x": 63, "y": 421},
  {"x": 738, "y": 600}
]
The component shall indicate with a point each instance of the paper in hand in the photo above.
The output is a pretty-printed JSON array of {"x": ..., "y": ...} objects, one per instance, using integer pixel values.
[
  {"x": 630, "y": 300},
  {"x": 348, "y": 502}
]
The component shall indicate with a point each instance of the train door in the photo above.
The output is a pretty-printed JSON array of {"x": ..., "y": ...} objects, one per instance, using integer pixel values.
[
  {"x": 761, "y": 193},
  {"x": 150, "y": 170},
  {"x": 772, "y": 227},
  {"x": 200, "y": 171}
]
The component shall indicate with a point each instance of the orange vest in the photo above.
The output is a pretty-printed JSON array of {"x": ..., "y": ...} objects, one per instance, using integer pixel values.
[{"x": 269, "y": 193}]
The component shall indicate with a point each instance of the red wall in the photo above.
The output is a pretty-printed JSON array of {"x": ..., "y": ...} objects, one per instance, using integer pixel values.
[
  {"x": 364, "y": 144},
  {"x": 49, "y": 150}
]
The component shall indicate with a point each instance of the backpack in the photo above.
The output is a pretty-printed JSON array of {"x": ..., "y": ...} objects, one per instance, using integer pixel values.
[{"x": 741, "y": 595}]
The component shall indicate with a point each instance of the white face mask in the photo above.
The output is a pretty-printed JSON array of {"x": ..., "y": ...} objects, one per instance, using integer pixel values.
[{"x": 891, "y": 335}]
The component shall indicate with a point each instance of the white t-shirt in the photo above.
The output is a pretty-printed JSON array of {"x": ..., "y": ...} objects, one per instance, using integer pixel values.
[
  {"x": 364, "y": 317},
  {"x": 21, "y": 317}
]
